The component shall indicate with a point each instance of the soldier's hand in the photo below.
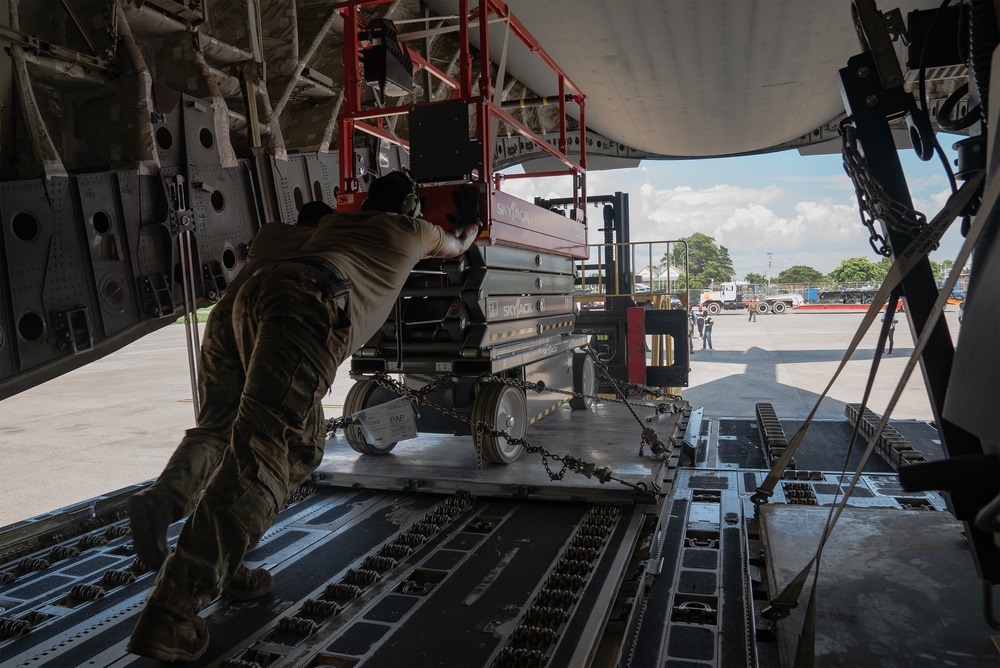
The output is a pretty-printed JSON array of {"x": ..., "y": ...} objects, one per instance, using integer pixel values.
[{"x": 466, "y": 199}]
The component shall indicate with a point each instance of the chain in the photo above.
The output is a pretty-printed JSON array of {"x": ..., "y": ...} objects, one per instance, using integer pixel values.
[
  {"x": 419, "y": 397},
  {"x": 874, "y": 203},
  {"x": 539, "y": 386},
  {"x": 567, "y": 463},
  {"x": 333, "y": 424},
  {"x": 648, "y": 433}
]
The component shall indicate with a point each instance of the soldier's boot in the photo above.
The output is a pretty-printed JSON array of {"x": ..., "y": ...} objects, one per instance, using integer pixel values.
[
  {"x": 248, "y": 583},
  {"x": 150, "y": 513},
  {"x": 165, "y": 635}
]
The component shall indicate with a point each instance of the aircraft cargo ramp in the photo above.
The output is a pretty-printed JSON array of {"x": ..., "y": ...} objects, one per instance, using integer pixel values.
[{"x": 381, "y": 564}]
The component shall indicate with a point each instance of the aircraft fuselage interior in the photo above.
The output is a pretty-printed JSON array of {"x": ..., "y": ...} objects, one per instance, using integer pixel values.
[{"x": 145, "y": 142}]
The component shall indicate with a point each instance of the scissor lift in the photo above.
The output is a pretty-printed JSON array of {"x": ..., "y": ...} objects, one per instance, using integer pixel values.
[{"x": 502, "y": 316}]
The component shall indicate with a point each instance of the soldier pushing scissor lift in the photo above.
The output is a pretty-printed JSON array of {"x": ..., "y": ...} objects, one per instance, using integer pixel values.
[{"x": 484, "y": 326}]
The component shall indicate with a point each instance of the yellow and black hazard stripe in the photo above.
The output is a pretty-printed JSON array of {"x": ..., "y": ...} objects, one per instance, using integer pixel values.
[
  {"x": 523, "y": 331},
  {"x": 547, "y": 411},
  {"x": 557, "y": 325},
  {"x": 500, "y": 336}
]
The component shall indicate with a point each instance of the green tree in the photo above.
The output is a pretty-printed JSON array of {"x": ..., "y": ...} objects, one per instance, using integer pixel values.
[
  {"x": 708, "y": 261},
  {"x": 857, "y": 270},
  {"x": 799, "y": 273},
  {"x": 941, "y": 269},
  {"x": 717, "y": 271},
  {"x": 755, "y": 279},
  {"x": 883, "y": 269},
  {"x": 936, "y": 270}
]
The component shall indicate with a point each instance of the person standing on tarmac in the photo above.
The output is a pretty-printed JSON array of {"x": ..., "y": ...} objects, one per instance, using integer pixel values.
[
  {"x": 753, "y": 312},
  {"x": 701, "y": 324},
  {"x": 892, "y": 333},
  {"x": 707, "y": 338},
  {"x": 295, "y": 321},
  {"x": 220, "y": 381}
]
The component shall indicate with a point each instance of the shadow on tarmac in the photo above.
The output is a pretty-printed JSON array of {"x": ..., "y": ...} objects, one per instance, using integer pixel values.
[{"x": 735, "y": 395}]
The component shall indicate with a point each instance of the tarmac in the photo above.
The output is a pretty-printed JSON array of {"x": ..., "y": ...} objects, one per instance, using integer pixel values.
[{"x": 115, "y": 422}]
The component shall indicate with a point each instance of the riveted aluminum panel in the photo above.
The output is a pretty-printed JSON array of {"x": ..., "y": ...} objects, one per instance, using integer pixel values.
[
  {"x": 44, "y": 251},
  {"x": 108, "y": 241}
]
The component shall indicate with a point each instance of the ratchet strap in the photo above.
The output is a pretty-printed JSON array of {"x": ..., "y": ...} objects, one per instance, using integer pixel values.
[
  {"x": 922, "y": 244},
  {"x": 787, "y": 599}
]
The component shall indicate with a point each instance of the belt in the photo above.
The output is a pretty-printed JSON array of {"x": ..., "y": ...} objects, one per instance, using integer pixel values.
[{"x": 335, "y": 286}]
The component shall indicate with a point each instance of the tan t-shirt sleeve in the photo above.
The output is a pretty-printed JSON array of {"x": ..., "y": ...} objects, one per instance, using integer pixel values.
[{"x": 432, "y": 237}]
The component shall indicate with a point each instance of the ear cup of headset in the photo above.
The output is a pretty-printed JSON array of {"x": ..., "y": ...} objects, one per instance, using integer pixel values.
[{"x": 410, "y": 206}]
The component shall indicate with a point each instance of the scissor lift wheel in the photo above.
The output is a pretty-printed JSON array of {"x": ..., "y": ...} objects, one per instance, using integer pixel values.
[
  {"x": 365, "y": 394},
  {"x": 502, "y": 407},
  {"x": 584, "y": 381}
]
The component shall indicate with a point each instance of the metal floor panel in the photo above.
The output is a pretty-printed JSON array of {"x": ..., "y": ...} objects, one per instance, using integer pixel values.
[
  {"x": 703, "y": 607},
  {"x": 896, "y": 588},
  {"x": 697, "y": 608},
  {"x": 607, "y": 435},
  {"x": 469, "y": 582}
]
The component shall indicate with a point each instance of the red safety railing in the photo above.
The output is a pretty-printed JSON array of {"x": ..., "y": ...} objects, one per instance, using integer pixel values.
[{"x": 354, "y": 119}]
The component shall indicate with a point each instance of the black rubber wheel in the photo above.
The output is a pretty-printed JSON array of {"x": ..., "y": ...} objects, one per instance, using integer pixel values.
[
  {"x": 584, "y": 381},
  {"x": 762, "y": 308},
  {"x": 365, "y": 394},
  {"x": 714, "y": 309},
  {"x": 502, "y": 407},
  {"x": 779, "y": 307}
]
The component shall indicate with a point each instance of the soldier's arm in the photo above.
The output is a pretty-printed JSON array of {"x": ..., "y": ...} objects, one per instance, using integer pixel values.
[{"x": 457, "y": 241}]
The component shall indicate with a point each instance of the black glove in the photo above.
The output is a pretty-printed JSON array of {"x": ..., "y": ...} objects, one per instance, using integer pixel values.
[{"x": 466, "y": 200}]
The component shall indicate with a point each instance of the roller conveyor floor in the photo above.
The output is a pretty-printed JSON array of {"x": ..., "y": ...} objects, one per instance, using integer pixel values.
[{"x": 450, "y": 575}]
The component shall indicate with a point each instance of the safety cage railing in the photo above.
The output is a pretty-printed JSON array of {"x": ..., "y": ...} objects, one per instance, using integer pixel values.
[
  {"x": 441, "y": 147},
  {"x": 643, "y": 270}
]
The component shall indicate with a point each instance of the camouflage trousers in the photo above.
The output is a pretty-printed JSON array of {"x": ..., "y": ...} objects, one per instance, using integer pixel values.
[
  {"x": 290, "y": 342},
  {"x": 220, "y": 383}
]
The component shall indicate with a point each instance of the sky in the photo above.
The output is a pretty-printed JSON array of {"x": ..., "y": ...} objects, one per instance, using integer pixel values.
[{"x": 801, "y": 209}]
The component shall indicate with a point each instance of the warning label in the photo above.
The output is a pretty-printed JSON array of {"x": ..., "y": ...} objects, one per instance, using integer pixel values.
[{"x": 386, "y": 423}]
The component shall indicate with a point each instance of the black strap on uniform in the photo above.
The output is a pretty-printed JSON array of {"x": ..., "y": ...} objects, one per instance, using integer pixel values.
[{"x": 337, "y": 288}]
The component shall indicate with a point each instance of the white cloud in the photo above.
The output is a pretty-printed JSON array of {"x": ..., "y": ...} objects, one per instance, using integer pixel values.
[
  {"x": 838, "y": 181},
  {"x": 808, "y": 219},
  {"x": 927, "y": 181},
  {"x": 820, "y": 234}
]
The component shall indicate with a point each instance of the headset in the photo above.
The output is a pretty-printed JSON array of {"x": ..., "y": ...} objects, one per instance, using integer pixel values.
[
  {"x": 411, "y": 203},
  {"x": 410, "y": 206}
]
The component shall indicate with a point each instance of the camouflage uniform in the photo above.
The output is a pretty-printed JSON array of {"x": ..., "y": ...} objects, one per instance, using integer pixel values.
[
  {"x": 291, "y": 341},
  {"x": 220, "y": 383},
  {"x": 292, "y": 333}
]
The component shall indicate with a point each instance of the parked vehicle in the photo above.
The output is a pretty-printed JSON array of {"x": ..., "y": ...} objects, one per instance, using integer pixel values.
[{"x": 734, "y": 295}]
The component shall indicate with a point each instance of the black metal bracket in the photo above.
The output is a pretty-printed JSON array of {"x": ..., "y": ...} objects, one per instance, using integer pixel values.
[{"x": 872, "y": 105}]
